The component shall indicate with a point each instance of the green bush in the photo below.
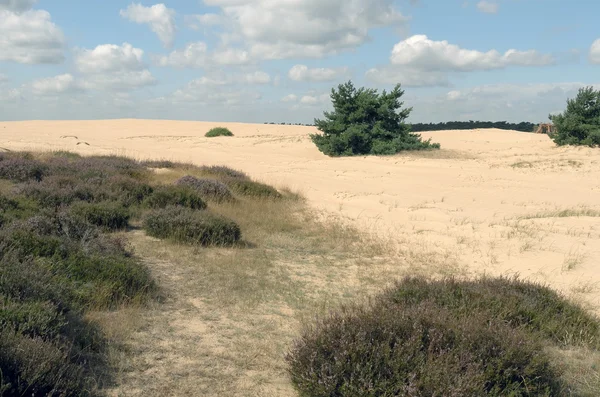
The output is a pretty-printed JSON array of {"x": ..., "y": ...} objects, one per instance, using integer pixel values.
[
  {"x": 579, "y": 124},
  {"x": 20, "y": 169},
  {"x": 221, "y": 171},
  {"x": 246, "y": 187},
  {"x": 193, "y": 227},
  {"x": 109, "y": 216},
  {"x": 209, "y": 189},
  {"x": 365, "y": 122},
  {"x": 218, "y": 131},
  {"x": 167, "y": 195},
  {"x": 446, "y": 338}
]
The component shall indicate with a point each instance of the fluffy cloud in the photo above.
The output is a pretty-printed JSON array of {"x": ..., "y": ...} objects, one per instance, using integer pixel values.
[
  {"x": 30, "y": 36},
  {"x": 55, "y": 85},
  {"x": 196, "y": 22},
  {"x": 421, "y": 52},
  {"x": 595, "y": 52},
  {"x": 419, "y": 61},
  {"x": 257, "y": 78},
  {"x": 113, "y": 67},
  {"x": 303, "y": 73},
  {"x": 313, "y": 100},
  {"x": 289, "y": 98},
  {"x": 160, "y": 19},
  {"x": 487, "y": 7},
  {"x": 196, "y": 55},
  {"x": 304, "y": 28},
  {"x": 110, "y": 58}
]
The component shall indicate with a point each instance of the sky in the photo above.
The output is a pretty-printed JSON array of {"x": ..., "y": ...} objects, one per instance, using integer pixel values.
[{"x": 277, "y": 60}]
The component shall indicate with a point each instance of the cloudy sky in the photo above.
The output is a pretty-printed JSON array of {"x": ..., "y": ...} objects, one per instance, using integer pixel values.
[{"x": 276, "y": 60}]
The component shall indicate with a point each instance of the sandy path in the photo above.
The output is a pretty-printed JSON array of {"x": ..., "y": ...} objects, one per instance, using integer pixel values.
[{"x": 488, "y": 201}]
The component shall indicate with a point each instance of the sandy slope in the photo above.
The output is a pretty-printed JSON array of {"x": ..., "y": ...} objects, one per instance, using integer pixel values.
[{"x": 487, "y": 202}]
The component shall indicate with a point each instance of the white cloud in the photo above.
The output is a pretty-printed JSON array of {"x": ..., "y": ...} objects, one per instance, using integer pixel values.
[
  {"x": 196, "y": 22},
  {"x": 595, "y": 52},
  {"x": 257, "y": 78},
  {"x": 113, "y": 67},
  {"x": 196, "y": 55},
  {"x": 425, "y": 54},
  {"x": 289, "y": 98},
  {"x": 17, "y": 5},
  {"x": 419, "y": 61},
  {"x": 110, "y": 58},
  {"x": 10, "y": 96},
  {"x": 3, "y": 78},
  {"x": 312, "y": 100},
  {"x": 121, "y": 81},
  {"x": 30, "y": 37},
  {"x": 160, "y": 18},
  {"x": 303, "y": 73},
  {"x": 488, "y": 7},
  {"x": 305, "y": 28},
  {"x": 55, "y": 85}
]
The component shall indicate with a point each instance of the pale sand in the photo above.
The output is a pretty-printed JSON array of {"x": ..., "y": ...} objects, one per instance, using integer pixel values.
[{"x": 463, "y": 202}]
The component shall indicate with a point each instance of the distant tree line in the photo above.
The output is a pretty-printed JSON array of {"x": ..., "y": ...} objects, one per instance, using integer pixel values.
[{"x": 471, "y": 125}]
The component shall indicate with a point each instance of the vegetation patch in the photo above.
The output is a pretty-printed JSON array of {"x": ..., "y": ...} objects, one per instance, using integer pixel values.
[
  {"x": 448, "y": 337},
  {"x": 192, "y": 227},
  {"x": 218, "y": 131},
  {"x": 250, "y": 188},
  {"x": 579, "y": 124},
  {"x": 183, "y": 196},
  {"x": 365, "y": 122},
  {"x": 209, "y": 189}
]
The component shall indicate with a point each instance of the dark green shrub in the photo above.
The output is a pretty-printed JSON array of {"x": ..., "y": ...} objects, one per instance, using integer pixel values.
[
  {"x": 34, "y": 319},
  {"x": 517, "y": 303},
  {"x": 446, "y": 338},
  {"x": 250, "y": 188},
  {"x": 223, "y": 172},
  {"x": 421, "y": 350},
  {"x": 579, "y": 124},
  {"x": 19, "y": 169},
  {"x": 109, "y": 216},
  {"x": 193, "y": 227},
  {"x": 365, "y": 122},
  {"x": 183, "y": 196},
  {"x": 56, "y": 191},
  {"x": 158, "y": 164},
  {"x": 218, "y": 131},
  {"x": 209, "y": 189},
  {"x": 35, "y": 367}
]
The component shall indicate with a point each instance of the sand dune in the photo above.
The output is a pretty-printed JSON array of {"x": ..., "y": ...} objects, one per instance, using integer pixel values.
[{"x": 491, "y": 201}]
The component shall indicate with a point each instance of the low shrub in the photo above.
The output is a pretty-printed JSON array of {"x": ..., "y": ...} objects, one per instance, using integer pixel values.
[
  {"x": 56, "y": 191},
  {"x": 209, "y": 189},
  {"x": 421, "y": 350},
  {"x": 447, "y": 338},
  {"x": 222, "y": 172},
  {"x": 218, "y": 131},
  {"x": 192, "y": 227},
  {"x": 107, "y": 215},
  {"x": 250, "y": 188},
  {"x": 20, "y": 169},
  {"x": 158, "y": 164},
  {"x": 167, "y": 195}
]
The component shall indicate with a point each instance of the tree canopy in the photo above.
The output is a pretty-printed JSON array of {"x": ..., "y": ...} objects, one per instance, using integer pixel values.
[
  {"x": 579, "y": 124},
  {"x": 366, "y": 122}
]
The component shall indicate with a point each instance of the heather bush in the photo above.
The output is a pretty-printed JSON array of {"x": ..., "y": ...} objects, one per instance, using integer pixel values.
[
  {"x": 19, "y": 169},
  {"x": 446, "y": 338},
  {"x": 110, "y": 216},
  {"x": 192, "y": 227},
  {"x": 158, "y": 164},
  {"x": 250, "y": 188},
  {"x": 222, "y": 172},
  {"x": 183, "y": 196},
  {"x": 209, "y": 189},
  {"x": 218, "y": 131},
  {"x": 365, "y": 122}
]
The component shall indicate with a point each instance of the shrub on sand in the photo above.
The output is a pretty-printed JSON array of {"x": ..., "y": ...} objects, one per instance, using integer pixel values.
[
  {"x": 245, "y": 187},
  {"x": 192, "y": 227},
  {"x": 446, "y": 338},
  {"x": 167, "y": 195},
  {"x": 223, "y": 172},
  {"x": 218, "y": 131},
  {"x": 209, "y": 189}
]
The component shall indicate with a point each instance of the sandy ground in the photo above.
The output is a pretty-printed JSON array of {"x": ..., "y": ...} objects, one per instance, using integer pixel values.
[{"x": 489, "y": 201}]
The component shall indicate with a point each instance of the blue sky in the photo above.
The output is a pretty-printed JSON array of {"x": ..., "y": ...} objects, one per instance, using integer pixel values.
[{"x": 266, "y": 60}]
